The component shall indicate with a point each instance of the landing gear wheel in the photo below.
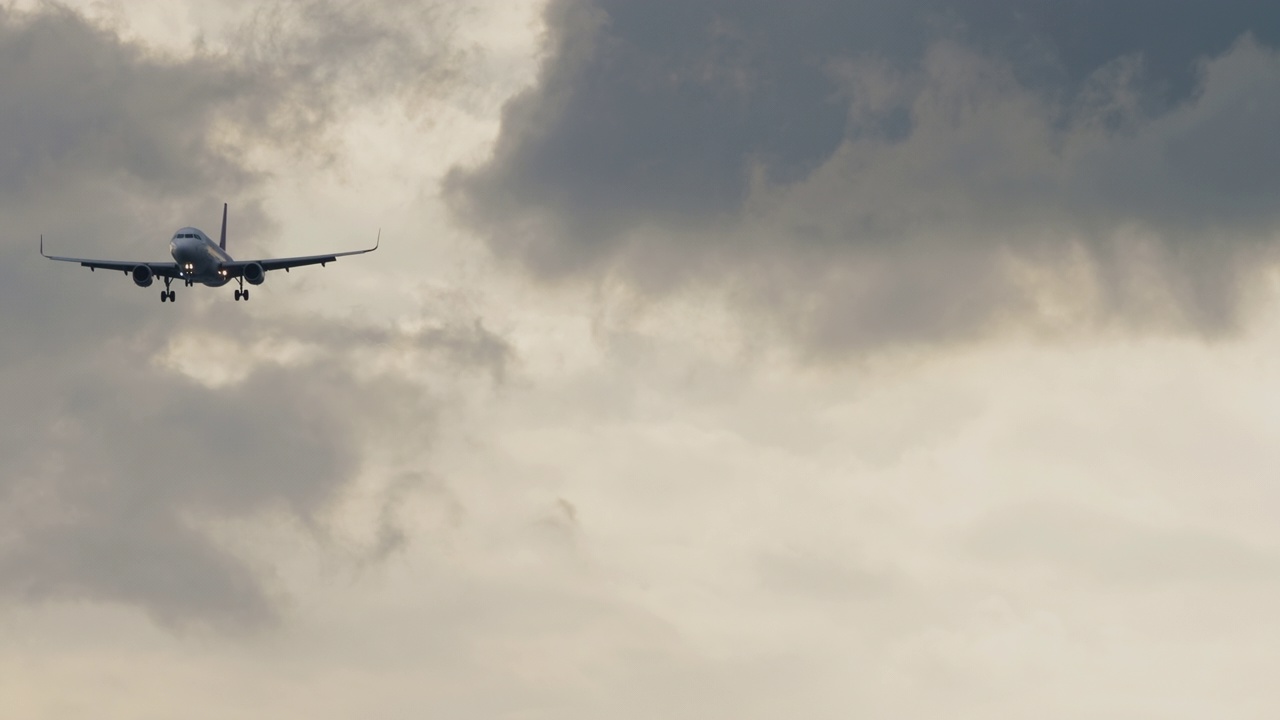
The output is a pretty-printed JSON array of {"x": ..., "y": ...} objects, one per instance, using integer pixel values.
[
  {"x": 164, "y": 296},
  {"x": 242, "y": 293},
  {"x": 173, "y": 296}
]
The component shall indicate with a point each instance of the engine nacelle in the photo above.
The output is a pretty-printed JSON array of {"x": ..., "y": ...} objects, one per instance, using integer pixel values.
[
  {"x": 142, "y": 276},
  {"x": 254, "y": 274}
]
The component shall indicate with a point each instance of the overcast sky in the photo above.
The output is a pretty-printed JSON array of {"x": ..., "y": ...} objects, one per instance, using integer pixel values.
[{"x": 722, "y": 359}]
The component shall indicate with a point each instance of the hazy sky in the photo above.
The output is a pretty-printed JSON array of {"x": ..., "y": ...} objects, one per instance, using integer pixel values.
[{"x": 722, "y": 359}]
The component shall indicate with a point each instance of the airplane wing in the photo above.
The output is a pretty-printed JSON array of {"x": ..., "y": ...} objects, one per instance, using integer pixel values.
[
  {"x": 236, "y": 268},
  {"x": 160, "y": 269}
]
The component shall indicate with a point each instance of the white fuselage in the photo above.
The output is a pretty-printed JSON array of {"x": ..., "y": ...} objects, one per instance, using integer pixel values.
[{"x": 198, "y": 257}]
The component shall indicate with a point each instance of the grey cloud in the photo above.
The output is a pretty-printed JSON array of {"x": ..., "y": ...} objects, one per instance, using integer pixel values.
[
  {"x": 113, "y": 467},
  {"x": 77, "y": 98},
  {"x": 110, "y": 465},
  {"x": 145, "y": 559},
  {"x": 878, "y": 174},
  {"x": 320, "y": 57}
]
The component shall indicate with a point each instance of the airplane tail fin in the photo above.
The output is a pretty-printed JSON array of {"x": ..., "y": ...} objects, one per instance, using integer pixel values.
[{"x": 222, "y": 239}]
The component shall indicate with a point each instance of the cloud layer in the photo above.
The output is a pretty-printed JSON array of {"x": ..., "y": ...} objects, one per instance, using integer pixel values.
[
  {"x": 643, "y": 522},
  {"x": 878, "y": 174},
  {"x": 114, "y": 465}
]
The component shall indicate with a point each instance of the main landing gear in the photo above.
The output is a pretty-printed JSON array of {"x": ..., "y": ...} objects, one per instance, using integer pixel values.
[
  {"x": 167, "y": 295},
  {"x": 242, "y": 293}
]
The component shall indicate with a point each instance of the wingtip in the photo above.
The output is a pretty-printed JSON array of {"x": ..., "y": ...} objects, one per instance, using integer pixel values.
[{"x": 42, "y": 244}]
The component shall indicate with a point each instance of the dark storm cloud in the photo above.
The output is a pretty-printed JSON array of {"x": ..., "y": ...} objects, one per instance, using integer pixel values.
[
  {"x": 113, "y": 466},
  {"x": 870, "y": 172}
]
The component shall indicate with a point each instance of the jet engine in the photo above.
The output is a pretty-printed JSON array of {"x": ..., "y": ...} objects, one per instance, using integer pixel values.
[
  {"x": 142, "y": 276},
  {"x": 254, "y": 274}
]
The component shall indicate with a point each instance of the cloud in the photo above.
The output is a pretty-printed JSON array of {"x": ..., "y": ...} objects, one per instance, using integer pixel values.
[
  {"x": 80, "y": 98},
  {"x": 883, "y": 174},
  {"x": 1118, "y": 552},
  {"x": 317, "y": 59},
  {"x": 115, "y": 465}
]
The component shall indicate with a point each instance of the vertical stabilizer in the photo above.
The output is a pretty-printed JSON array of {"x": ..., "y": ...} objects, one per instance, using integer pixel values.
[{"x": 222, "y": 239}]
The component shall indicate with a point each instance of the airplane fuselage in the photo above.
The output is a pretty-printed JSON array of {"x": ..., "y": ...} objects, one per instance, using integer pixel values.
[{"x": 199, "y": 258}]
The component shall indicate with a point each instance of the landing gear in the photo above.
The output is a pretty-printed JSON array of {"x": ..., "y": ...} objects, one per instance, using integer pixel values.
[
  {"x": 242, "y": 294},
  {"x": 167, "y": 295}
]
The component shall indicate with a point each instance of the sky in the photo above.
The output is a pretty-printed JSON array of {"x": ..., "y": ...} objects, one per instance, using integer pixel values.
[{"x": 721, "y": 359}]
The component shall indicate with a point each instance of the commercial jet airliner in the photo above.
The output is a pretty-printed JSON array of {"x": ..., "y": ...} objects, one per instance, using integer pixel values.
[{"x": 197, "y": 259}]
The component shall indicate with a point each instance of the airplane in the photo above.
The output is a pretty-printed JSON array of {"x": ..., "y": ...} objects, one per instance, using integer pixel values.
[{"x": 197, "y": 259}]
